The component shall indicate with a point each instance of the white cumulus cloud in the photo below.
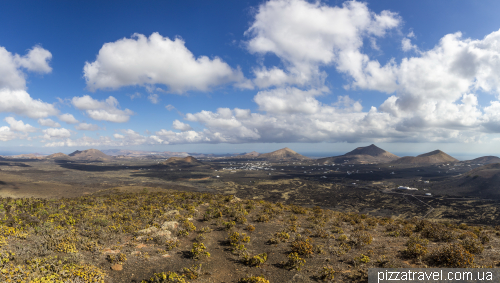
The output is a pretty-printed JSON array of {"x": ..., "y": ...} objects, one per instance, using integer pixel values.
[
  {"x": 53, "y": 133},
  {"x": 48, "y": 123},
  {"x": 104, "y": 110},
  {"x": 178, "y": 125},
  {"x": 6, "y": 134},
  {"x": 11, "y": 75},
  {"x": 68, "y": 118},
  {"x": 307, "y": 35},
  {"x": 87, "y": 127},
  {"x": 21, "y": 103},
  {"x": 147, "y": 61},
  {"x": 19, "y": 126}
]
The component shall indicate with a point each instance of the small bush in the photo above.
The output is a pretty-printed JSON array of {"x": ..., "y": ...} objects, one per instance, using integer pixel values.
[
  {"x": 302, "y": 246},
  {"x": 228, "y": 225},
  {"x": 198, "y": 251},
  {"x": 262, "y": 218},
  {"x": 361, "y": 259},
  {"x": 472, "y": 245},
  {"x": 342, "y": 249},
  {"x": 294, "y": 261},
  {"x": 240, "y": 219},
  {"x": 326, "y": 274},
  {"x": 298, "y": 209},
  {"x": 415, "y": 251},
  {"x": 171, "y": 244},
  {"x": 256, "y": 260},
  {"x": 205, "y": 230},
  {"x": 452, "y": 255},
  {"x": 361, "y": 238},
  {"x": 192, "y": 273},
  {"x": 437, "y": 232},
  {"x": 169, "y": 276},
  {"x": 279, "y": 237},
  {"x": 253, "y": 279},
  {"x": 337, "y": 230}
]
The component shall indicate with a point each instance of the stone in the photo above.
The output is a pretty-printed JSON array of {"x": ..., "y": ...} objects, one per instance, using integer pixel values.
[
  {"x": 117, "y": 267},
  {"x": 110, "y": 251},
  {"x": 140, "y": 246},
  {"x": 235, "y": 199},
  {"x": 135, "y": 253},
  {"x": 170, "y": 225},
  {"x": 164, "y": 233},
  {"x": 171, "y": 212},
  {"x": 148, "y": 230}
]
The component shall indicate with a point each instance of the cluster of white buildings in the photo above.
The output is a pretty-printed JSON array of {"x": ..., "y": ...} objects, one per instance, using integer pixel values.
[{"x": 249, "y": 166}]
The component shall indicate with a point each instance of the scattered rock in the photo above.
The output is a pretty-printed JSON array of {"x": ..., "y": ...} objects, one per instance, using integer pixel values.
[
  {"x": 170, "y": 225},
  {"x": 110, "y": 251},
  {"x": 235, "y": 199},
  {"x": 140, "y": 246},
  {"x": 135, "y": 253},
  {"x": 148, "y": 230},
  {"x": 166, "y": 256},
  {"x": 299, "y": 278},
  {"x": 117, "y": 267}
]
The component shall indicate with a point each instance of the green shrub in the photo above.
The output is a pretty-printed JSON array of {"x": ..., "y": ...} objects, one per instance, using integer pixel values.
[
  {"x": 326, "y": 273},
  {"x": 415, "y": 250},
  {"x": 361, "y": 238},
  {"x": 342, "y": 249},
  {"x": 253, "y": 279},
  {"x": 472, "y": 245},
  {"x": 294, "y": 261},
  {"x": 256, "y": 260},
  {"x": 452, "y": 255},
  {"x": 198, "y": 251},
  {"x": 361, "y": 259},
  {"x": 192, "y": 273},
  {"x": 437, "y": 232},
  {"x": 302, "y": 246},
  {"x": 169, "y": 276}
]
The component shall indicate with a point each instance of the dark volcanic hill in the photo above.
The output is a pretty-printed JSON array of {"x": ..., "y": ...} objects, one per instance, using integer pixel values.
[
  {"x": 481, "y": 182},
  {"x": 58, "y": 156},
  {"x": 483, "y": 160},
  {"x": 433, "y": 157},
  {"x": 89, "y": 155},
  {"x": 362, "y": 155},
  {"x": 188, "y": 160},
  {"x": 284, "y": 154}
]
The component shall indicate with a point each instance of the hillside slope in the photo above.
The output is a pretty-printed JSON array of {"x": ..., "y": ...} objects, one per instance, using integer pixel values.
[
  {"x": 284, "y": 154},
  {"x": 89, "y": 155},
  {"x": 362, "y": 155},
  {"x": 433, "y": 157}
]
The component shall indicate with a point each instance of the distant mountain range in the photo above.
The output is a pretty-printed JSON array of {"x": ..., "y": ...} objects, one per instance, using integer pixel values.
[{"x": 361, "y": 155}]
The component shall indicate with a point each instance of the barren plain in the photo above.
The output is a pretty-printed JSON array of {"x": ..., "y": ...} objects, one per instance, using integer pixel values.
[{"x": 305, "y": 221}]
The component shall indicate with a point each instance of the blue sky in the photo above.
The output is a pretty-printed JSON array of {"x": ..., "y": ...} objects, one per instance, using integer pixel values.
[{"x": 236, "y": 76}]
